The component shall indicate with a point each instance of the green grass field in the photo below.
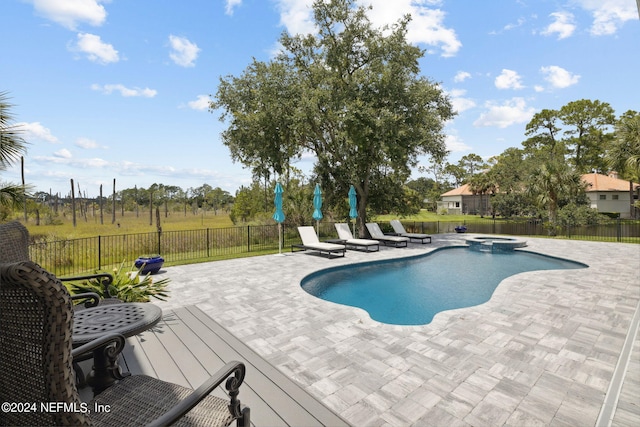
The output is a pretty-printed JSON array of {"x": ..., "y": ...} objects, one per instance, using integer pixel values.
[{"x": 130, "y": 223}]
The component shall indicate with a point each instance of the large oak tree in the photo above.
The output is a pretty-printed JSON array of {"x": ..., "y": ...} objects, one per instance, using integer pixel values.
[{"x": 351, "y": 94}]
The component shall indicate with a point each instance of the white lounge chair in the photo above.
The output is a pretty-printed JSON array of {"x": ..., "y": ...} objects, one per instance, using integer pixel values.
[
  {"x": 310, "y": 242},
  {"x": 376, "y": 233},
  {"x": 399, "y": 229},
  {"x": 350, "y": 242}
]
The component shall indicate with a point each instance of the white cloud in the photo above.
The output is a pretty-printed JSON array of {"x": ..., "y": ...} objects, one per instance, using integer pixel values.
[
  {"x": 64, "y": 157},
  {"x": 558, "y": 77},
  {"x": 518, "y": 23},
  {"x": 63, "y": 153},
  {"x": 295, "y": 16},
  {"x": 455, "y": 144},
  {"x": 459, "y": 102},
  {"x": 609, "y": 15},
  {"x": 184, "y": 52},
  {"x": 35, "y": 130},
  {"x": 510, "y": 112},
  {"x": 508, "y": 79},
  {"x": 426, "y": 26},
  {"x": 95, "y": 49},
  {"x": 231, "y": 4},
  {"x": 125, "y": 91},
  {"x": 69, "y": 13},
  {"x": 563, "y": 25},
  {"x": 200, "y": 104},
  {"x": 87, "y": 143},
  {"x": 461, "y": 76}
]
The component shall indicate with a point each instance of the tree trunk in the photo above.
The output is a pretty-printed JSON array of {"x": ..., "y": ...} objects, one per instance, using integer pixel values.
[
  {"x": 113, "y": 210},
  {"x": 631, "y": 207},
  {"x": 101, "y": 207}
]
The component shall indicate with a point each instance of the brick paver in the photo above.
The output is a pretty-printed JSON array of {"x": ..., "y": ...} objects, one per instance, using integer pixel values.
[{"x": 542, "y": 351}]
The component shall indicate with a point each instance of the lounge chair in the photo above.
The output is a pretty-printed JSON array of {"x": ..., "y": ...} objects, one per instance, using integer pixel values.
[
  {"x": 350, "y": 242},
  {"x": 399, "y": 229},
  {"x": 310, "y": 242},
  {"x": 387, "y": 240},
  {"x": 36, "y": 358}
]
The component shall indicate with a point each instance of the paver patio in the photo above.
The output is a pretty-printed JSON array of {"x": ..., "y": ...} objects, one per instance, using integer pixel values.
[{"x": 542, "y": 351}]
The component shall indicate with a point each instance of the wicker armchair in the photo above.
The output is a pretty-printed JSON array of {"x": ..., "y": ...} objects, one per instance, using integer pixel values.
[
  {"x": 14, "y": 247},
  {"x": 36, "y": 373}
]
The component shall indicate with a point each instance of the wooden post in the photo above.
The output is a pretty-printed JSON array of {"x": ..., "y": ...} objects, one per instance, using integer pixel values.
[
  {"x": 73, "y": 204},
  {"x": 113, "y": 210},
  {"x": 101, "y": 211},
  {"x": 150, "y": 207}
]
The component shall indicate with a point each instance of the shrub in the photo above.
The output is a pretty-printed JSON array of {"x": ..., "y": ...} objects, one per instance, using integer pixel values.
[{"x": 129, "y": 286}]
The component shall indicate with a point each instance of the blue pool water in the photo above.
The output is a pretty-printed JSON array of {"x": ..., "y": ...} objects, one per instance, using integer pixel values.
[{"x": 411, "y": 291}]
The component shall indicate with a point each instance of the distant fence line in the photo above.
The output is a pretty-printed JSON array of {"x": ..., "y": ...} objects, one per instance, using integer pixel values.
[{"x": 68, "y": 257}]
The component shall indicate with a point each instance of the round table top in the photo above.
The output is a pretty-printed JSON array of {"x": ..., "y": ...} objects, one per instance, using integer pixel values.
[{"x": 127, "y": 319}]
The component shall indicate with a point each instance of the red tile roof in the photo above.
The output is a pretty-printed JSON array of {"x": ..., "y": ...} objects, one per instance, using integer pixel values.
[
  {"x": 598, "y": 182},
  {"x": 595, "y": 181}
]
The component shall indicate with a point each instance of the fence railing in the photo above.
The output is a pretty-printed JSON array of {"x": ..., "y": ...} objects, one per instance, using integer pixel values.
[{"x": 68, "y": 257}]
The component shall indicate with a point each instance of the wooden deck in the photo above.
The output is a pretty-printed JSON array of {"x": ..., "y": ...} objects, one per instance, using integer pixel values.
[{"x": 187, "y": 346}]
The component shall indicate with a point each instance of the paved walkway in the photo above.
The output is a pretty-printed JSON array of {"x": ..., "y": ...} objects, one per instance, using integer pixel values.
[{"x": 542, "y": 351}]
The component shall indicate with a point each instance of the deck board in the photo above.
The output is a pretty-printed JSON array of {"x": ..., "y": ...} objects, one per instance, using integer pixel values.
[{"x": 187, "y": 346}]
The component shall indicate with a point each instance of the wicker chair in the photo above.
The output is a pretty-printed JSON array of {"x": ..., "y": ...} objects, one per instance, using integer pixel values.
[
  {"x": 14, "y": 247},
  {"x": 36, "y": 371}
]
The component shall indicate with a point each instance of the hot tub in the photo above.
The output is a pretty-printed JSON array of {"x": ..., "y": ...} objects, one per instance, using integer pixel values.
[{"x": 494, "y": 243}]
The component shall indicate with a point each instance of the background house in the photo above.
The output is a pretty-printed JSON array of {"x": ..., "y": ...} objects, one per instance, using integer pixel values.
[
  {"x": 606, "y": 193},
  {"x": 461, "y": 200},
  {"x": 609, "y": 194}
]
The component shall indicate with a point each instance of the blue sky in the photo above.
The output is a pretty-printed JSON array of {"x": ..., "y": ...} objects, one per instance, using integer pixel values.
[{"x": 118, "y": 89}]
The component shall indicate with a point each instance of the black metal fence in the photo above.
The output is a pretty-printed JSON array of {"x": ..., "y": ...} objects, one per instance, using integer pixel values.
[{"x": 67, "y": 257}]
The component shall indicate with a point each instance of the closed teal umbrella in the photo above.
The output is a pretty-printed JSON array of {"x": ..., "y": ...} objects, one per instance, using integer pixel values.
[
  {"x": 317, "y": 206},
  {"x": 353, "y": 206},
  {"x": 278, "y": 216}
]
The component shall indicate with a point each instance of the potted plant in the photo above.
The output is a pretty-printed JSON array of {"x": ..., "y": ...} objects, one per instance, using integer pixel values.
[{"x": 128, "y": 285}]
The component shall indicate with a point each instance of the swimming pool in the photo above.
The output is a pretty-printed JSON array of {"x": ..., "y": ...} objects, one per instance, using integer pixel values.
[{"x": 411, "y": 291}]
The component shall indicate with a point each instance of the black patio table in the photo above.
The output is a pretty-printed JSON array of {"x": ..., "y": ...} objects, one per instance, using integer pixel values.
[{"x": 127, "y": 319}]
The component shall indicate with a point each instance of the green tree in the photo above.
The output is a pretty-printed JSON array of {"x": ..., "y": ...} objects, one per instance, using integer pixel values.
[
  {"x": 457, "y": 172},
  {"x": 543, "y": 132},
  {"x": 552, "y": 183},
  {"x": 481, "y": 184},
  {"x": 244, "y": 207},
  {"x": 624, "y": 154},
  {"x": 261, "y": 108},
  {"x": 588, "y": 122},
  {"x": 356, "y": 101},
  {"x": 12, "y": 146},
  {"x": 471, "y": 164}
]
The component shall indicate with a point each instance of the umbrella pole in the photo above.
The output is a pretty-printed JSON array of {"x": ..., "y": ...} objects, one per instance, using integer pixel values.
[{"x": 279, "y": 238}]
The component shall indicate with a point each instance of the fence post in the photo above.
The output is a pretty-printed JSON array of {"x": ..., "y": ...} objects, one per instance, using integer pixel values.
[
  {"x": 159, "y": 235},
  {"x": 618, "y": 230},
  {"x": 99, "y": 252},
  {"x": 248, "y": 238}
]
